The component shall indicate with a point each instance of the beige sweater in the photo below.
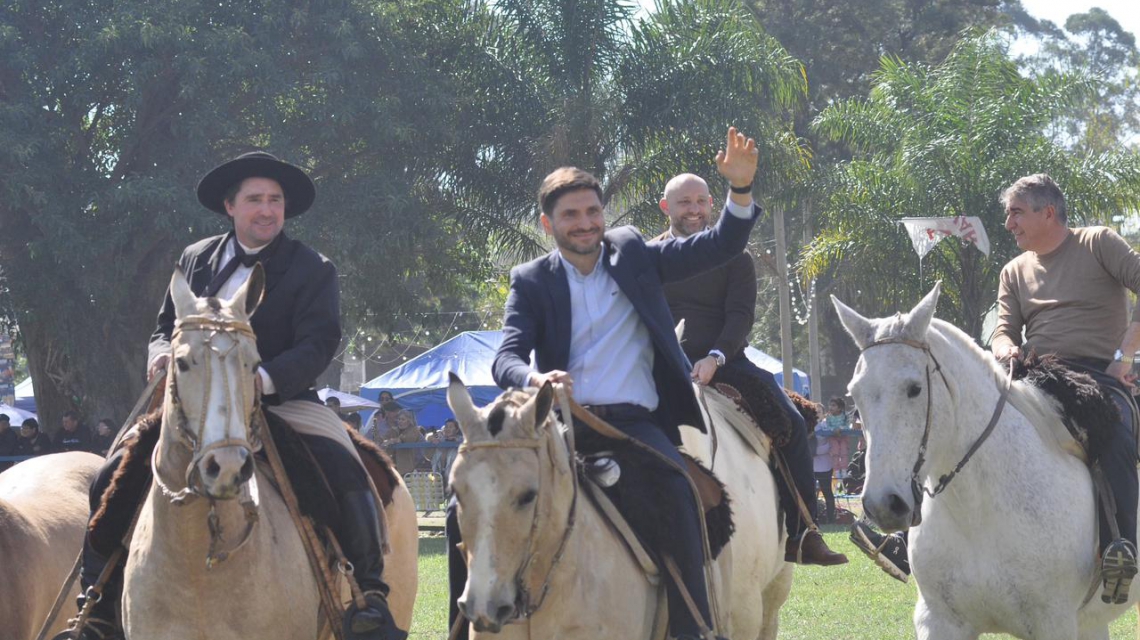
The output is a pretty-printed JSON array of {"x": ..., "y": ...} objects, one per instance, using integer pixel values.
[{"x": 1072, "y": 301}]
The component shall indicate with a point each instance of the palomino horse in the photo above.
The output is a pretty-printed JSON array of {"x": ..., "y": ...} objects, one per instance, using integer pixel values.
[
  {"x": 203, "y": 461},
  {"x": 1010, "y": 545},
  {"x": 43, "y": 515},
  {"x": 540, "y": 555}
]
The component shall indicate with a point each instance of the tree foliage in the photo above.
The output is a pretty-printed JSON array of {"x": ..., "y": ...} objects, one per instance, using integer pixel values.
[
  {"x": 945, "y": 141},
  {"x": 583, "y": 83},
  {"x": 111, "y": 111}
]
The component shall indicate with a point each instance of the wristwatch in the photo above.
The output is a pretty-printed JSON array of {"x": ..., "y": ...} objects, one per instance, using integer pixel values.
[
  {"x": 719, "y": 355},
  {"x": 1120, "y": 357}
]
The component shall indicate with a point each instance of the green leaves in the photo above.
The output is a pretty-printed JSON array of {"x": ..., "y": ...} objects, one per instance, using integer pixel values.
[{"x": 945, "y": 141}]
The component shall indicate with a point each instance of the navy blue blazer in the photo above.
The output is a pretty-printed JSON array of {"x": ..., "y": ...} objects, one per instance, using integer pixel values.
[
  {"x": 298, "y": 322},
  {"x": 537, "y": 314}
]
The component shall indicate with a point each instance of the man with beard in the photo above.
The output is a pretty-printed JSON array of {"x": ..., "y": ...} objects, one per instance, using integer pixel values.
[{"x": 718, "y": 307}]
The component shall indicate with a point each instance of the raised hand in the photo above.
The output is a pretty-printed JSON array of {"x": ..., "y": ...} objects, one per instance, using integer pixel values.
[{"x": 738, "y": 160}]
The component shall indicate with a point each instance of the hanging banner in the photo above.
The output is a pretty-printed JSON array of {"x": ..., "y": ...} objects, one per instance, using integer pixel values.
[{"x": 926, "y": 232}]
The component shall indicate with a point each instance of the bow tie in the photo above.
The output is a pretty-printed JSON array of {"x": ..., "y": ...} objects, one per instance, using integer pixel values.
[{"x": 241, "y": 259}]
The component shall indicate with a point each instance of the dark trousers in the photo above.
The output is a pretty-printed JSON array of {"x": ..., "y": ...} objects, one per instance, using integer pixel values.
[
  {"x": 823, "y": 478},
  {"x": 796, "y": 453},
  {"x": 1119, "y": 464},
  {"x": 637, "y": 423},
  {"x": 344, "y": 475}
]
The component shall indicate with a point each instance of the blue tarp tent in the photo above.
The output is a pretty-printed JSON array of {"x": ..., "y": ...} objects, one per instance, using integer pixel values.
[
  {"x": 420, "y": 384},
  {"x": 25, "y": 398},
  {"x": 801, "y": 382}
]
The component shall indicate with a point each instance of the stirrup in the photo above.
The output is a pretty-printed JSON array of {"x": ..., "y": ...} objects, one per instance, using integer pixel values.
[
  {"x": 95, "y": 629},
  {"x": 1117, "y": 568},
  {"x": 377, "y": 622}
]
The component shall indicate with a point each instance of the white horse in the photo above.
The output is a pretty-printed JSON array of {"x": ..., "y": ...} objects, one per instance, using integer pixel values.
[
  {"x": 1010, "y": 546},
  {"x": 265, "y": 589},
  {"x": 542, "y": 557},
  {"x": 43, "y": 517}
]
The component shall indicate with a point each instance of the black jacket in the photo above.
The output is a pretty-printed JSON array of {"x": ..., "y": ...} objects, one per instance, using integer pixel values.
[{"x": 297, "y": 324}]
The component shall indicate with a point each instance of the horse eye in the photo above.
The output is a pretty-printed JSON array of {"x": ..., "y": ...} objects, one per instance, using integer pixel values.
[
  {"x": 183, "y": 366},
  {"x": 913, "y": 390},
  {"x": 527, "y": 497}
]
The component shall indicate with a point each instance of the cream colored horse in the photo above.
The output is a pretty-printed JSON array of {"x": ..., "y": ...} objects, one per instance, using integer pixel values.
[
  {"x": 751, "y": 579},
  {"x": 265, "y": 588},
  {"x": 43, "y": 517},
  {"x": 533, "y": 575}
]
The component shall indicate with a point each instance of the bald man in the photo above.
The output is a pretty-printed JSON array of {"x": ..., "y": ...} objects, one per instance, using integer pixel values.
[{"x": 718, "y": 308}]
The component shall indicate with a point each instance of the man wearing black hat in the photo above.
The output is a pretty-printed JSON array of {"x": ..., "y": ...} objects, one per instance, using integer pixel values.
[{"x": 298, "y": 330}]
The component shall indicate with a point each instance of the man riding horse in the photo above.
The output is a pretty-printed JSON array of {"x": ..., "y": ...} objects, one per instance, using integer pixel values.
[
  {"x": 298, "y": 332},
  {"x": 1068, "y": 291},
  {"x": 718, "y": 307},
  {"x": 594, "y": 314}
]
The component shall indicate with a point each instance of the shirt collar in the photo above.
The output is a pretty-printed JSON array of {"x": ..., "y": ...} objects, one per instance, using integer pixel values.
[{"x": 573, "y": 272}]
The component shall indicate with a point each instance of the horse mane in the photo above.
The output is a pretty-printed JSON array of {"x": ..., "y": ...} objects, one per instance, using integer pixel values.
[{"x": 1039, "y": 407}]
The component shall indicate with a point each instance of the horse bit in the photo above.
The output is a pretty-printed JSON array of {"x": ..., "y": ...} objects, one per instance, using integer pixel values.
[
  {"x": 212, "y": 326},
  {"x": 917, "y": 487}
]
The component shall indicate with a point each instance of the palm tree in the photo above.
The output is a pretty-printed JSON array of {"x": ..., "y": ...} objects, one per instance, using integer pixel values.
[
  {"x": 585, "y": 83},
  {"x": 946, "y": 141}
]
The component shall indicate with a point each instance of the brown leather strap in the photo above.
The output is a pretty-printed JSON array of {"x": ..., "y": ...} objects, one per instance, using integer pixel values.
[
  {"x": 675, "y": 573},
  {"x": 318, "y": 562}
]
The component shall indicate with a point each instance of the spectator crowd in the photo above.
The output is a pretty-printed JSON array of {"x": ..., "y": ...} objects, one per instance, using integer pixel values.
[{"x": 73, "y": 435}]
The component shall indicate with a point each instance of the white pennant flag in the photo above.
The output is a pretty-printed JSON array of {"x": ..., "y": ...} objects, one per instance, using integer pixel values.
[{"x": 926, "y": 232}]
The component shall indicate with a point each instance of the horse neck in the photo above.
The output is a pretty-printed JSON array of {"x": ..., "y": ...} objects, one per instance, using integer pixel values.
[{"x": 1014, "y": 452}]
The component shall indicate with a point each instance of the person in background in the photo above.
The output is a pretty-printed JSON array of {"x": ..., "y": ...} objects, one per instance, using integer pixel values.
[
  {"x": 380, "y": 427},
  {"x": 32, "y": 442},
  {"x": 8, "y": 440},
  {"x": 354, "y": 420},
  {"x": 104, "y": 437},
  {"x": 837, "y": 421},
  {"x": 405, "y": 431},
  {"x": 822, "y": 466},
  {"x": 74, "y": 435},
  {"x": 443, "y": 458},
  {"x": 333, "y": 402}
]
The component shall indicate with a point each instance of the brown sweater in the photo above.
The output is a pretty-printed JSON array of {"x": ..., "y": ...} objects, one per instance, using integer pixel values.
[
  {"x": 1072, "y": 301},
  {"x": 718, "y": 307}
]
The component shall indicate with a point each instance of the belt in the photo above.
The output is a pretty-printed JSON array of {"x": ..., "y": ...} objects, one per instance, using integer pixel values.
[{"x": 607, "y": 411}]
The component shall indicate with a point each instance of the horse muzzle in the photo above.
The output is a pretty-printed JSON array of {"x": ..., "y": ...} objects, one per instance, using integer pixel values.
[
  {"x": 224, "y": 470},
  {"x": 489, "y": 616},
  {"x": 892, "y": 511}
]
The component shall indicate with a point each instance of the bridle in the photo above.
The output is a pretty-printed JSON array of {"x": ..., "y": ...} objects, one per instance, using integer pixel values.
[
  {"x": 917, "y": 487},
  {"x": 191, "y": 437},
  {"x": 525, "y": 604}
]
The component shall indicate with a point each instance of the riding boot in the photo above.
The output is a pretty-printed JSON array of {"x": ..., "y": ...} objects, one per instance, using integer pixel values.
[{"x": 359, "y": 537}]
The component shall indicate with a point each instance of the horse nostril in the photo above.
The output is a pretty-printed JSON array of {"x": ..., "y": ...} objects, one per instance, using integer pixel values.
[
  {"x": 898, "y": 506},
  {"x": 503, "y": 612},
  {"x": 212, "y": 467},
  {"x": 246, "y": 469}
]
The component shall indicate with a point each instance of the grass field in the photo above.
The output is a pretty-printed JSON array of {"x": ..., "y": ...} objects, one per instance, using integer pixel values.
[{"x": 853, "y": 602}]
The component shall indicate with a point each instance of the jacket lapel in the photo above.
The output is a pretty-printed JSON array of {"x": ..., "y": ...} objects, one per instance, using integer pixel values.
[
  {"x": 559, "y": 287},
  {"x": 277, "y": 264}
]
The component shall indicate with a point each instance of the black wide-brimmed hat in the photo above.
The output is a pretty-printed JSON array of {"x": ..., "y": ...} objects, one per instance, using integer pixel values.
[{"x": 298, "y": 187}]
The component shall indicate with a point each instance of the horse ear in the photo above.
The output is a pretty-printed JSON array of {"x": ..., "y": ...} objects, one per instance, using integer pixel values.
[
  {"x": 249, "y": 295},
  {"x": 543, "y": 401},
  {"x": 185, "y": 302},
  {"x": 459, "y": 399},
  {"x": 918, "y": 320},
  {"x": 860, "y": 329}
]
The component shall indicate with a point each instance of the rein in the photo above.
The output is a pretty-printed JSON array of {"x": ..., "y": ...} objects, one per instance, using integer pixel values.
[
  {"x": 917, "y": 487},
  {"x": 525, "y": 605},
  {"x": 192, "y": 439}
]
